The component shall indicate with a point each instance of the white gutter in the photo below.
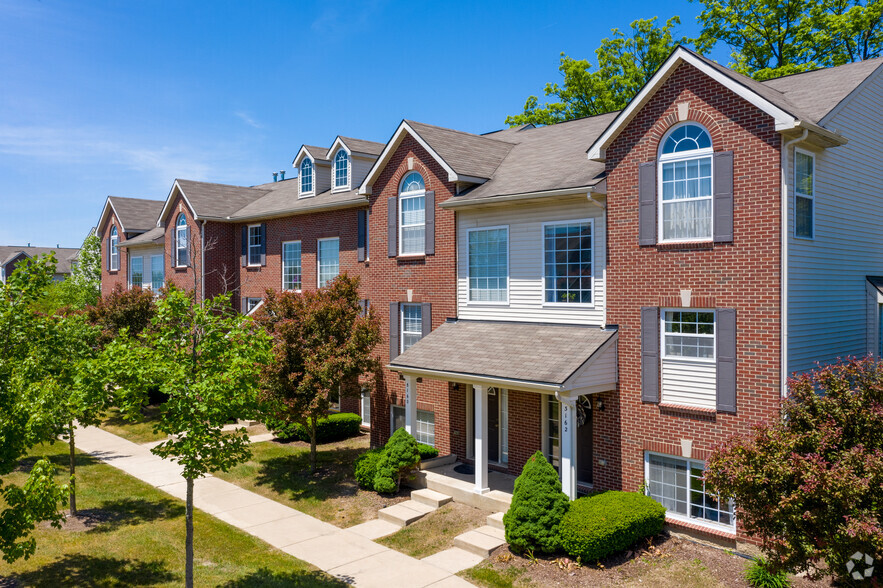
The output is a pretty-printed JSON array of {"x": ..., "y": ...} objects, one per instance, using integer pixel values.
[
  {"x": 783, "y": 342},
  {"x": 454, "y": 203},
  {"x": 463, "y": 378}
]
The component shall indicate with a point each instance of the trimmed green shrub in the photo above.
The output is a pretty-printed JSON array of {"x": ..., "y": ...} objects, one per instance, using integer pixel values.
[
  {"x": 366, "y": 468},
  {"x": 283, "y": 430},
  {"x": 334, "y": 427},
  {"x": 538, "y": 504},
  {"x": 597, "y": 526},
  {"x": 760, "y": 575},
  {"x": 399, "y": 456},
  {"x": 427, "y": 451}
]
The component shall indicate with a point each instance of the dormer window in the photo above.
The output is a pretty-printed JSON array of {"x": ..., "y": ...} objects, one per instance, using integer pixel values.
[
  {"x": 306, "y": 176},
  {"x": 341, "y": 169},
  {"x": 685, "y": 183}
]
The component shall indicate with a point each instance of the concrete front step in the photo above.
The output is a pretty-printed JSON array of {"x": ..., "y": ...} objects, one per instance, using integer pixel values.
[
  {"x": 481, "y": 541},
  {"x": 404, "y": 513},
  {"x": 496, "y": 520},
  {"x": 430, "y": 497}
]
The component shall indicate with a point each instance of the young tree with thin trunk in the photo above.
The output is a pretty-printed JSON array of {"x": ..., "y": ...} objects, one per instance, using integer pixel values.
[
  {"x": 322, "y": 345},
  {"x": 207, "y": 359}
]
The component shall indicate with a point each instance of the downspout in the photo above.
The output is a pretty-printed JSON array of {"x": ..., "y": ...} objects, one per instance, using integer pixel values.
[
  {"x": 784, "y": 262},
  {"x": 202, "y": 259}
]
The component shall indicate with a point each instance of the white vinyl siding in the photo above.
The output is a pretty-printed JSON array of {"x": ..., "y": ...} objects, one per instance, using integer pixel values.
[
  {"x": 360, "y": 168},
  {"x": 689, "y": 372},
  {"x": 291, "y": 266},
  {"x": 827, "y": 297},
  {"x": 526, "y": 295},
  {"x": 328, "y": 260}
]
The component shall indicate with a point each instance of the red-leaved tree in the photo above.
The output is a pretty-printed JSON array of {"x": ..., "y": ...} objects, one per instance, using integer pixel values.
[{"x": 809, "y": 485}]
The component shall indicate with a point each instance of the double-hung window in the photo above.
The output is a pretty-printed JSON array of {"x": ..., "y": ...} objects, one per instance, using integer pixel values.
[
  {"x": 568, "y": 262},
  {"x": 306, "y": 176},
  {"x": 412, "y": 215},
  {"x": 114, "y": 252},
  {"x": 425, "y": 432},
  {"x": 679, "y": 485},
  {"x": 553, "y": 432},
  {"x": 686, "y": 184},
  {"x": 181, "y": 234},
  {"x": 341, "y": 169},
  {"x": 688, "y": 334},
  {"x": 804, "y": 203},
  {"x": 291, "y": 269},
  {"x": 689, "y": 368},
  {"x": 136, "y": 272},
  {"x": 488, "y": 251},
  {"x": 329, "y": 260},
  {"x": 251, "y": 304},
  {"x": 157, "y": 272},
  {"x": 255, "y": 244},
  {"x": 411, "y": 322}
]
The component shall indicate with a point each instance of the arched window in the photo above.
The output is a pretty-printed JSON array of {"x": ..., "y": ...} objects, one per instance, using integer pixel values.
[
  {"x": 412, "y": 215},
  {"x": 685, "y": 184},
  {"x": 341, "y": 169},
  {"x": 181, "y": 241},
  {"x": 114, "y": 249},
  {"x": 306, "y": 176}
]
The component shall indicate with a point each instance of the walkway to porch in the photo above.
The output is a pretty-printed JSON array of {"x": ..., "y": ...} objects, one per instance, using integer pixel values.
[{"x": 457, "y": 479}]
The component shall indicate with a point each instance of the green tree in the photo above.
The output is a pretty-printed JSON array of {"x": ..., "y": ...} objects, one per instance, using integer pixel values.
[
  {"x": 769, "y": 39},
  {"x": 207, "y": 359},
  {"x": 625, "y": 63},
  {"x": 808, "y": 484},
  {"x": 86, "y": 272},
  {"x": 322, "y": 345}
]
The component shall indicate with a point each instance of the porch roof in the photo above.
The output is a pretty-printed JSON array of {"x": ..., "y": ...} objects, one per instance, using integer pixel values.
[{"x": 530, "y": 355}]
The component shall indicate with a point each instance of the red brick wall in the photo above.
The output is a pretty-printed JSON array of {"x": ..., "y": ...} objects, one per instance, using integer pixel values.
[
  {"x": 431, "y": 278},
  {"x": 525, "y": 428},
  {"x": 182, "y": 277},
  {"x": 110, "y": 279},
  {"x": 743, "y": 275}
]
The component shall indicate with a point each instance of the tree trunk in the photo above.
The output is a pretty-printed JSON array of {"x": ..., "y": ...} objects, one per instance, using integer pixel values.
[
  {"x": 73, "y": 467},
  {"x": 312, "y": 445},
  {"x": 188, "y": 547}
]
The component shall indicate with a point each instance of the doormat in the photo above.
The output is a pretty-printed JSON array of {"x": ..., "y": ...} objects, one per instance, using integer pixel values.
[{"x": 464, "y": 468}]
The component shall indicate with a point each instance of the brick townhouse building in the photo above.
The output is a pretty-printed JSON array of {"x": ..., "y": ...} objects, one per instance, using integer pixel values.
[
  {"x": 620, "y": 292},
  {"x": 122, "y": 220}
]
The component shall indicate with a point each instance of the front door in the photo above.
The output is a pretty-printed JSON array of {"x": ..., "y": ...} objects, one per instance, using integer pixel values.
[
  {"x": 493, "y": 424},
  {"x": 584, "y": 440}
]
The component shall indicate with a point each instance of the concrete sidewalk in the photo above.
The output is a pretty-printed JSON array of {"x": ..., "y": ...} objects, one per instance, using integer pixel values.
[{"x": 346, "y": 555}]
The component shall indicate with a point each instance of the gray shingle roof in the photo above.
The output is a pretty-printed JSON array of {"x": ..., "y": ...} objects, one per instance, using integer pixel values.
[
  {"x": 467, "y": 154},
  {"x": 320, "y": 153},
  {"x": 151, "y": 237},
  {"x": 516, "y": 351},
  {"x": 136, "y": 214},
  {"x": 363, "y": 146},
  {"x": 281, "y": 198},
  {"x": 63, "y": 255},
  {"x": 218, "y": 201}
]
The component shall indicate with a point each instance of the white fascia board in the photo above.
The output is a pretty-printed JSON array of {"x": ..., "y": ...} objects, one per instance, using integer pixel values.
[
  {"x": 300, "y": 155},
  {"x": 338, "y": 142},
  {"x": 390, "y": 148},
  {"x": 105, "y": 211},
  {"x": 167, "y": 206},
  {"x": 783, "y": 119},
  {"x": 464, "y": 378}
]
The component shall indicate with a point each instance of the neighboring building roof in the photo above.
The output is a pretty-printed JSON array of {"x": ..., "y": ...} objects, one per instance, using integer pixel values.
[
  {"x": 151, "y": 237},
  {"x": 135, "y": 214},
  {"x": 63, "y": 255},
  {"x": 362, "y": 146},
  {"x": 525, "y": 352},
  {"x": 477, "y": 156},
  {"x": 216, "y": 201}
]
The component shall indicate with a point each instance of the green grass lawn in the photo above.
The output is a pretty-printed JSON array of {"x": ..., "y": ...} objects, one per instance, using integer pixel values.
[
  {"x": 281, "y": 472},
  {"x": 140, "y": 431},
  {"x": 138, "y": 540}
]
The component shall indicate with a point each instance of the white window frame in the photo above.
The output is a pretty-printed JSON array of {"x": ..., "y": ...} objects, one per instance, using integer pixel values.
[
  {"x": 402, "y": 331},
  {"x": 181, "y": 240},
  {"x": 546, "y": 439},
  {"x": 731, "y": 527},
  {"x": 300, "y": 265},
  {"x": 363, "y": 399},
  {"x": 810, "y": 197},
  {"x": 300, "y": 171},
  {"x": 132, "y": 271},
  {"x": 407, "y": 196},
  {"x": 591, "y": 223},
  {"x": 114, "y": 249},
  {"x": 346, "y": 184},
  {"x": 392, "y": 422},
  {"x": 249, "y": 300},
  {"x": 319, "y": 260},
  {"x": 469, "y": 300},
  {"x": 258, "y": 246},
  {"x": 674, "y": 358},
  {"x": 162, "y": 267},
  {"x": 677, "y": 157}
]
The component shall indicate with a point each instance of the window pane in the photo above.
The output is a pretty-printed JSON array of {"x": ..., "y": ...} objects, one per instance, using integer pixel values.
[
  {"x": 803, "y": 174},
  {"x": 553, "y": 436},
  {"x": 306, "y": 176},
  {"x": 689, "y": 334},
  {"x": 412, "y": 325},
  {"x": 137, "y": 277},
  {"x": 157, "y": 272},
  {"x": 329, "y": 260},
  {"x": 425, "y": 427},
  {"x": 686, "y": 138},
  {"x": 254, "y": 245},
  {"x": 341, "y": 169},
  {"x": 413, "y": 224},
  {"x": 803, "y": 212},
  {"x": 291, "y": 268},
  {"x": 569, "y": 278},
  {"x": 489, "y": 265}
]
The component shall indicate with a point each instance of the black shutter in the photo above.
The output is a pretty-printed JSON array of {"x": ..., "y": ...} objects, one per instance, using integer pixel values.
[
  {"x": 393, "y": 330},
  {"x": 726, "y": 359},
  {"x": 392, "y": 210},
  {"x": 650, "y": 354},
  {"x": 263, "y": 243},
  {"x": 723, "y": 197},
  {"x": 647, "y": 203},
  {"x": 429, "y": 200},
  {"x": 426, "y": 317},
  {"x": 243, "y": 258},
  {"x": 362, "y": 220}
]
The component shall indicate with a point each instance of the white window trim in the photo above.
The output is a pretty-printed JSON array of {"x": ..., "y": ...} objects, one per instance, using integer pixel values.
[
  {"x": 114, "y": 249},
  {"x": 300, "y": 185},
  {"x": 591, "y": 304},
  {"x": 178, "y": 229},
  {"x": 675, "y": 157},
  {"x": 249, "y": 246},
  {"x": 319, "y": 259},
  {"x": 470, "y": 302},
  {"x": 349, "y": 172},
  {"x": 679, "y": 358},
  {"x": 365, "y": 395},
  {"x": 392, "y": 420},
  {"x": 402, "y": 323},
  {"x": 404, "y": 196},
  {"x": 546, "y": 444},
  {"x": 260, "y": 302},
  {"x": 730, "y": 528},
  {"x": 810, "y": 197},
  {"x": 282, "y": 260},
  {"x": 132, "y": 272}
]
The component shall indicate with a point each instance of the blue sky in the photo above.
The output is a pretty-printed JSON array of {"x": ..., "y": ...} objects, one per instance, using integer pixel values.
[{"x": 121, "y": 98}]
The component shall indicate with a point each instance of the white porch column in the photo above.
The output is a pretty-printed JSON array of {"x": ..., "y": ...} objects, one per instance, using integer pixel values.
[
  {"x": 568, "y": 446},
  {"x": 411, "y": 405},
  {"x": 481, "y": 439}
]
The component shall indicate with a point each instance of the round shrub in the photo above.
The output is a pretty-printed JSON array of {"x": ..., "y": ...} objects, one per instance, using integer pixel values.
[
  {"x": 399, "y": 456},
  {"x": 597, "y": 526},
  {"x": 283, "y": 430},
  {"x": 366, "y": 468},
  {"x": 427, "y": 451},
  {"x": 538, "y": 504}
]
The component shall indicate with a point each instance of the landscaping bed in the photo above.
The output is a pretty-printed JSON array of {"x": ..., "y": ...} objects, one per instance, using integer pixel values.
[
  {"x": 281, "y": 472},
  {"x": 436, "y": 531},
  {"x": 131, "y": 534},
  {"x": 140, "y": 431}
]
